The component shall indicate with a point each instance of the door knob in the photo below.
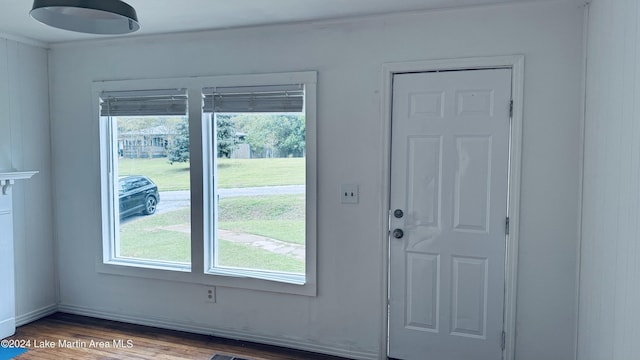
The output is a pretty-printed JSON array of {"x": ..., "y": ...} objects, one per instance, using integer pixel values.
[
  {"x": 398, "y": 213},
  {"x": 398, "y": 233}
]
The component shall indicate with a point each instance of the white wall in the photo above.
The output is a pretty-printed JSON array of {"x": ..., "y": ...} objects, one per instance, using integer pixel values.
[
  {"x": 25, "y": 145},
  {"x": 610, "y": 269},
  {"x": 346, "y": 316}
]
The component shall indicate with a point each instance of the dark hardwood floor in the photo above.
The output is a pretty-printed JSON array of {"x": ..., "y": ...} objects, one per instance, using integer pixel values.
[{"x": 89, "y": 338}]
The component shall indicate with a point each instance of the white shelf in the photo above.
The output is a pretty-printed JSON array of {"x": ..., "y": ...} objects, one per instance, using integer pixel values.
[
  {"x": 8, "y": 178},
  {"x": 16, "y": 175}
]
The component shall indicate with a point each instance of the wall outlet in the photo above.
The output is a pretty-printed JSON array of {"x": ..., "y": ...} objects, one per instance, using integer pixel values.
[
  {"x": 349, "y": 193},
  {"x": 211, "y": 295}
]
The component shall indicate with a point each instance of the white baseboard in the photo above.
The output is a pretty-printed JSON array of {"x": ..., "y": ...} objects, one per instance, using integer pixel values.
[
  {"x": 223, "y": 333},
  {"x": 7, "y": 327},
  {"x": 36, "y": 314}
]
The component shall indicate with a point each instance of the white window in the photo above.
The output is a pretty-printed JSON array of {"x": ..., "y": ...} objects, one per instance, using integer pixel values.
[
  {"x": 146, "y": 226},
  {"x": 211, "y": 181},
  {"x": 259, "y": 194}
]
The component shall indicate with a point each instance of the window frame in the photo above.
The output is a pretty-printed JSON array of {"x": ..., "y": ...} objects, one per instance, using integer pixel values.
[{"x": 198, "y": 272}]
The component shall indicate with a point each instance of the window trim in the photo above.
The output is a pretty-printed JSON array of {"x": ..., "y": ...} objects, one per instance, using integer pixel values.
[{"x": 197, "y": 272}]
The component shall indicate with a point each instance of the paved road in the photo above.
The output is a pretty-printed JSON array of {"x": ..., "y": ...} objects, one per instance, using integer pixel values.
[{"x": 173, "y": 200}]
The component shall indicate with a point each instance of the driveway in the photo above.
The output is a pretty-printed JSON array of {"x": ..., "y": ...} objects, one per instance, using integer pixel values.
[{"x": 174, "y": 200}]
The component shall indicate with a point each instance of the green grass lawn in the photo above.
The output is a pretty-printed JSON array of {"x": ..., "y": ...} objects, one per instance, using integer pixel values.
[
  {"x": 278, "y": 217},
  {"x": 239, "y": 255},
  {"x": 232, "y": 173},
  {"x": 166, "y": 237},
  {"x": 145, "y": 237},
  {"x": 167, "y": 177}
]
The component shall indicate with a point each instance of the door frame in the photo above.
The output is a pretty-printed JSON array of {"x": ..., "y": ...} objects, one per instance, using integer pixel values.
[{"x": 516, "y": 64}]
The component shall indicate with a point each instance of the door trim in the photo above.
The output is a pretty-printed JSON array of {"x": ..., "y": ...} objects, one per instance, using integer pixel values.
[{"x": 516, "y": 64}]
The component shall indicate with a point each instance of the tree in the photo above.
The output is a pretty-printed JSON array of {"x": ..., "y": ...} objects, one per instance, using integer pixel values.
[
  {"x": 290, "y": 135},
  {"x": 179, "y": 149},
  {"x": 226, "y": 135},
  {"x": 273, "y": 134}
]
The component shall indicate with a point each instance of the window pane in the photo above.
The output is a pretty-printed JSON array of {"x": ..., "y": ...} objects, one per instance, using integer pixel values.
[
  {"x": 152, "y": 188},
  {"x": 260, "y": 188}
]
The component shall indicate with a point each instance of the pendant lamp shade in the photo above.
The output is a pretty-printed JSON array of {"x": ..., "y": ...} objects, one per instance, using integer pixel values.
[{"x": 106, "y": 17}]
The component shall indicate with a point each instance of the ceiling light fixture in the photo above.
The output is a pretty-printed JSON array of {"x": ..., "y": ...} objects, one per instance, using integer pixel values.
[{"x": 106, "y": 17}]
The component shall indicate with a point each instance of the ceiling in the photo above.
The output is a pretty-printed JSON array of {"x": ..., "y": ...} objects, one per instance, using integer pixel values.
[{"x": 170, "y": 16}]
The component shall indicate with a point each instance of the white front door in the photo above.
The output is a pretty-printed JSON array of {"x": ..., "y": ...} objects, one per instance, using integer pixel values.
[{"x": 449, "y": 186}]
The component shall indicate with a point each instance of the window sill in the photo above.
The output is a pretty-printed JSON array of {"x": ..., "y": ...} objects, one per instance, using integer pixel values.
[
  {"x": 287, "y": 278},
  {"x": 234, "y": 278}
]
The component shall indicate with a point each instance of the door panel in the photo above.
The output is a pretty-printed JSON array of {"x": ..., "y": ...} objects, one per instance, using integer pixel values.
[
  {"x": 449, "y": 175},
  {"x": 472, "y": 191},
  {"x": 424, "y": 168},
  {"x": 422, "y": 292},
  {"x": 469, "y": 296}
]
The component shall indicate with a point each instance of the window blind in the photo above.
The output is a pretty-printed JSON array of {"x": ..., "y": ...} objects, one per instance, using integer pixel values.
[
  {"x": 143, "y": 102},
  {"x": 244, "y": 99}
]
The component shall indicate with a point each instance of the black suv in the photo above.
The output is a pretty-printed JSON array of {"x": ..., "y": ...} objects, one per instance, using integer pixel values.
[{"x": 137, "y": 194}]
